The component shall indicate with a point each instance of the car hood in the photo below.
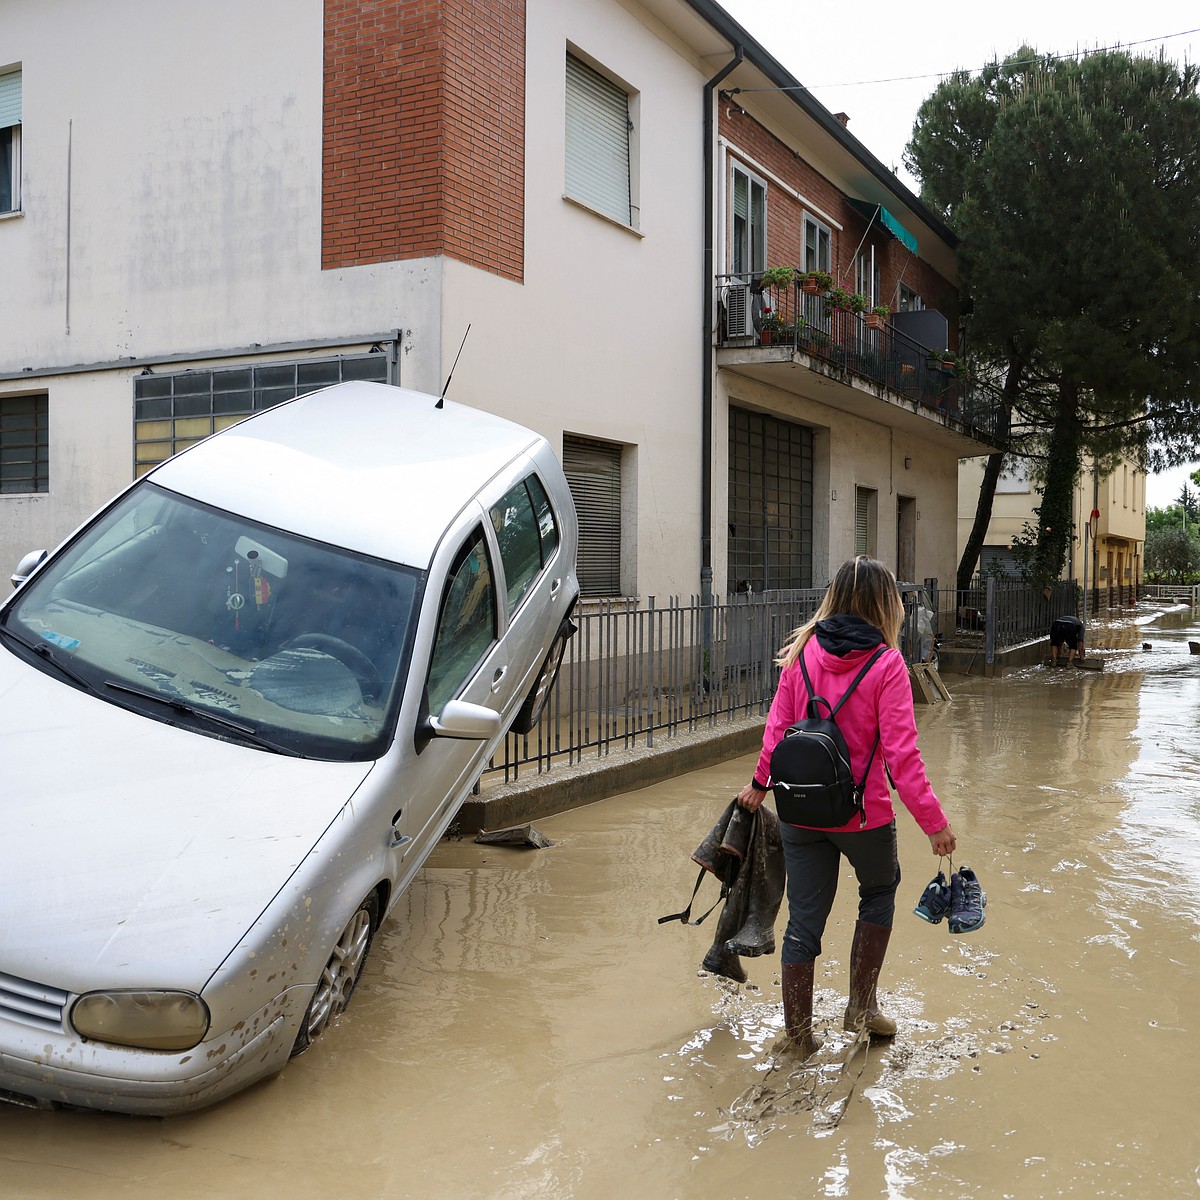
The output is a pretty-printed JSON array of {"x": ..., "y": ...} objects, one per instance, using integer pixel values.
[{"x": 133, "y": 853}]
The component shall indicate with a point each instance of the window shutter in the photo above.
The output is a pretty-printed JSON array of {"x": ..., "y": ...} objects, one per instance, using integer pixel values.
[
  {"x": 597, "y": 169},
  {"x": 10, "y": 99},
  {"x": 593, "y": 471},
  {"x": 862, "y": 509}
]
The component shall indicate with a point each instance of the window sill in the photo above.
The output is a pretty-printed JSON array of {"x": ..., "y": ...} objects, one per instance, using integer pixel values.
[
  {"x": 587, "y": 208},
  {"x": 10, "y": 216}
]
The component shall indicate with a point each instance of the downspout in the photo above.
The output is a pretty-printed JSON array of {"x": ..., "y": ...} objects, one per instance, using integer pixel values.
[{"x": 706, "y": 412}]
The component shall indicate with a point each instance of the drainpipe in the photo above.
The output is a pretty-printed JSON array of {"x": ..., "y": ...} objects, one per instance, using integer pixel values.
[{"x": 706, "y": 412}]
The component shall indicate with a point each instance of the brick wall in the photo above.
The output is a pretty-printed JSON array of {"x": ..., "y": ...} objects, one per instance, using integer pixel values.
[
  {"x": 785, "y": 213},
  {"x": 424, "y": 132}
]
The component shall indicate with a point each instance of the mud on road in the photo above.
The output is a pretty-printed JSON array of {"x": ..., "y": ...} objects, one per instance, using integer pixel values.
[{"x": 525, "y": 1028}]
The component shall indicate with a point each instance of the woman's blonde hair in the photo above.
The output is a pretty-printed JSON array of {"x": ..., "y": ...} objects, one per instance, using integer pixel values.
[{"x": 863, "y": 587}]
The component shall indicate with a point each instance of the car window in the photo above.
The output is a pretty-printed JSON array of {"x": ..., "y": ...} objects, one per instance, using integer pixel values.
[
  {"x": 517, "y": 531},
  {"x": 547, "y": 527},
  {"x": 466, "y": 624},
  {"x": 171, "y": 606}
]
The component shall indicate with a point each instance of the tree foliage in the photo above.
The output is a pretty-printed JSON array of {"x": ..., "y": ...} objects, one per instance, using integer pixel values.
[
  {"x": 1172, "y": 553},
  {"x": 1074, "y": 189}
]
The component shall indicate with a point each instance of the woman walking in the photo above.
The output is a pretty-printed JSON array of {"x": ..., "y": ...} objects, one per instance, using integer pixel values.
[{"x": 861, "y": 609}]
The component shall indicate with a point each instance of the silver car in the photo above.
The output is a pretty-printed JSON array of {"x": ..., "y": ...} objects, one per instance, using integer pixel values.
[{"x": 238, "y": 708}]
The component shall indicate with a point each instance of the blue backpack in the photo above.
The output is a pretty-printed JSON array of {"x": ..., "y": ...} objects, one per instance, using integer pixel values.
[{"x": 811, "y": 775}]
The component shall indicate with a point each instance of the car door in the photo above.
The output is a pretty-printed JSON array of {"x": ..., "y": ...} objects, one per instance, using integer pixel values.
[
  {"x": 465, "y": 661},
  {"x": 527, "y": 538}
]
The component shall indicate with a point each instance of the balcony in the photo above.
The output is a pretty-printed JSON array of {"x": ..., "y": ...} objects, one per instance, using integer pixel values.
[{"x": 840, "y": 360}]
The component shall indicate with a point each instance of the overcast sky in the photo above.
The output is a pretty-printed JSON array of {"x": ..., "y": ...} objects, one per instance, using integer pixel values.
[{"x": 878, "y": 62}]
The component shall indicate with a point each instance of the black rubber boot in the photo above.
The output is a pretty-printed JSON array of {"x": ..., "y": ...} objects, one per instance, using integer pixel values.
[
  {"x": 866, "y": 959},
  {"x": 797, "y": 980}
]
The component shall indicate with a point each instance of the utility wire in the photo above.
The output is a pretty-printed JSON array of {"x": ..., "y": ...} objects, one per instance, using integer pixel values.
[{"x": 946, "y": 74}]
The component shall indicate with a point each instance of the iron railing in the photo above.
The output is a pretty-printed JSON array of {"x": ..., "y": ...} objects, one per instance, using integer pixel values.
[
  {"x": 633, "y": 675},
  {"x": 864, "y": 346},
  {"x": 998, "y": 614}
]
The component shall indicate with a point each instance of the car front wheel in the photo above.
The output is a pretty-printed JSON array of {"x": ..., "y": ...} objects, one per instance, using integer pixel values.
[{"x": 341, "y": 974}]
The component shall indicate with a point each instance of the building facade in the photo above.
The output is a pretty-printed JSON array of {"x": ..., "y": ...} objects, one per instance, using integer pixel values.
[{"x": 343, "y": 190}]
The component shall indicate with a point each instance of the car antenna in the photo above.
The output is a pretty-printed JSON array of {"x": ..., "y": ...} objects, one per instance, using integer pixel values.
[{"x": 442, "y": 397}]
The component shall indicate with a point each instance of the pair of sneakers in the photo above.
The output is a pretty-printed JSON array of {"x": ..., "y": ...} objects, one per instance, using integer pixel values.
[{"x": 961, "y": 901}]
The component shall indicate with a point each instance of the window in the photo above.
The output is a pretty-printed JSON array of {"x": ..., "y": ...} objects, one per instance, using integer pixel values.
[
  {"x": 909, "y": 300},
  {"x": 467, "y": 624},
  {"x": 1015, "y": 479},
  {"x": 10, "y": 142},
  {"x": 598, "y": 147},
  {"x": 816, "y": 246},
  {"x": 866, "y": 508},
  {"x": 770, "y": 503},
  {"x": 748, "y": 223},
  {"x": 866, "y": 276},
  {"x": 525, "y": 529},
  {"x": 593, "y": 471},
  {"x": 172, "y": 412},
  {"x": 24, "y": 444}
]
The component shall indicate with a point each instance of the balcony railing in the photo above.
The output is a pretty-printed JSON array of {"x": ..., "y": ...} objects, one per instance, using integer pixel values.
[{"x": 797, "y": 321}]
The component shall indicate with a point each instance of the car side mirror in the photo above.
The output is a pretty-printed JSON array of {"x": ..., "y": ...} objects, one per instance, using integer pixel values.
[
  {"x": 471, "y": 722},
  {"x": 26, "y": 567}
]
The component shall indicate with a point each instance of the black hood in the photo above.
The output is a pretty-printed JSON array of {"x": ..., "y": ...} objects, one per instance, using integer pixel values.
[{"x": 842, "y": 634}]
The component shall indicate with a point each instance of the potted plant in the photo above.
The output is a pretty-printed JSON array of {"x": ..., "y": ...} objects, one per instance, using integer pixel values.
[
  {"x": 777, "y": 278},
  {"x": 839, "y": 300},
  {"x": 876, "y": 318},
  {"x": 816, "y": 283},
  {"x": 770, "y": 327}
]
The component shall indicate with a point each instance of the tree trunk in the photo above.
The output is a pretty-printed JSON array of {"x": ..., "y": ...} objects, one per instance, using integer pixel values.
[
  {"x": 1055, "y": 532},
  {"x": 987, "y": 492}
]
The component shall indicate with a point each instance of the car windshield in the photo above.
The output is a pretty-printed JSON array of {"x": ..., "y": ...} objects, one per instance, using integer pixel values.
[{"x": 199, "y": 617}]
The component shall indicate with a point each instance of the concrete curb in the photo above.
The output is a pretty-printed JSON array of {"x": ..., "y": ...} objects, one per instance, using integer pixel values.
[{"x": 527, "y": 799}]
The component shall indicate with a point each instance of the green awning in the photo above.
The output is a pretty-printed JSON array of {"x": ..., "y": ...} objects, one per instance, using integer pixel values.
[{"x": 876, "y": 212}]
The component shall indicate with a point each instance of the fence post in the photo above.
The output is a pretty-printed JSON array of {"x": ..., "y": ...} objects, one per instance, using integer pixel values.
[{"x": 989, "y": 637}]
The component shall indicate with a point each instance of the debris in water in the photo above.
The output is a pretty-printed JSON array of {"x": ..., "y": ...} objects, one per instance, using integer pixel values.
[{"x": 517, "y": 835}]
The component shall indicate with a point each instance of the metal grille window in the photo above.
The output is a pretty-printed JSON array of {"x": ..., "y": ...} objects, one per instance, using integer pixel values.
[
  {"x": 24, "y": 444},
  {"x": 770, "y": 503},
  {"x": 10, "y": 141},
  {"x": 593, "y": 471},
  {"x": 172, "y": 412},
  {"x": 598, "y": 128}
]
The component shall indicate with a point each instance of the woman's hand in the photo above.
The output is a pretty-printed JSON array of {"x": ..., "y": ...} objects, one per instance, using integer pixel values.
[
  {"x": 943, "y": 842},
  {"x": 751, "y": 797}
]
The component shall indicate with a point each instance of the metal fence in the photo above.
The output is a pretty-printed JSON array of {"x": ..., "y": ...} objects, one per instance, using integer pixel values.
[
  {"x": 1180, "y": 593},
  {"x": 997, "y": 614},
  {"x": 632, "y": 675}
]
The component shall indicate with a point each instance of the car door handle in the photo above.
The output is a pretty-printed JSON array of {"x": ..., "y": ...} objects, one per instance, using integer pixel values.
[
  {"x": 555, "y": 586},
  {"x": 498, "y": 677}
]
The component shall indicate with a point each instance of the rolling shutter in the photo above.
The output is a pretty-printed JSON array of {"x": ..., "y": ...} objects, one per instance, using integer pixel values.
[
  {"x": 597, "y": 168},
  {"x": 10, "y": 99},
  {"x": 593, "y": 471}
]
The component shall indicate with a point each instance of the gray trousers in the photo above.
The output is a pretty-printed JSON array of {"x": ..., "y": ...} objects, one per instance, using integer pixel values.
[{"x": 813, "y": 857}]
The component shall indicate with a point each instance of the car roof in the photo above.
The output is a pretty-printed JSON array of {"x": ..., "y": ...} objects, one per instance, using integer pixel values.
[{"x": 374, "y": 468}]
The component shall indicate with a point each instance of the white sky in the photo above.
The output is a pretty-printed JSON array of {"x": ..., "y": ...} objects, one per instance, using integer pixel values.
[{"x": 878, "y": 61}]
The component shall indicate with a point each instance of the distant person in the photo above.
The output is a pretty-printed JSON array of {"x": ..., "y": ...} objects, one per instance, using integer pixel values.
[
  {"x": 861, "y": 610},
  {"x": 1066, "y": 632}
]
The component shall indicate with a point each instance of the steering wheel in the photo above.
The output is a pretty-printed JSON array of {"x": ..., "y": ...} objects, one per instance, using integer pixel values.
[{"x": 349, "y": 656}]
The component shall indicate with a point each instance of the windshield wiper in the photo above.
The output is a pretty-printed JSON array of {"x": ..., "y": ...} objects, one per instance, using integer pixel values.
[
  {"x": 246, "y": 732},
  {"x": 43, "y": 651}
]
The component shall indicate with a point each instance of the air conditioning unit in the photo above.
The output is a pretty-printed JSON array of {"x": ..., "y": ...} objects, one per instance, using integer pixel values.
[{"x": 739, "y": 311}]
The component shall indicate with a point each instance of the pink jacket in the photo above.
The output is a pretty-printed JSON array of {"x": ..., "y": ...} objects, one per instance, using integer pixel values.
[{"x": 883, "y": 701}]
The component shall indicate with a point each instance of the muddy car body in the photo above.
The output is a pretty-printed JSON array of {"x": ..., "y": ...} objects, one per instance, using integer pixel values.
[{"x": 237, "y": 710}]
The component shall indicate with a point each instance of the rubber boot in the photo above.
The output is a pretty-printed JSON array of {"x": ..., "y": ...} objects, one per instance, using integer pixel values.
[
  {"x": 763, "y": 876},
  {"x": 797, "y": 979},
  {"x": 866, "y": 958}
]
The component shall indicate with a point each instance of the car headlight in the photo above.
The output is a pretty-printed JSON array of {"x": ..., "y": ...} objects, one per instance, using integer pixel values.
[{"x": 147, "y": 1020}]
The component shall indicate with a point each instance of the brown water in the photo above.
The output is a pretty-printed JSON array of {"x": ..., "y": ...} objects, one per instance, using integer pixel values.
[{"x": 526, "y": 1029}]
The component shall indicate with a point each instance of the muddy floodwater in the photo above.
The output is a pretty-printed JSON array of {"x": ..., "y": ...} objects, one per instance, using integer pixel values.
[{"x": 525, "y": 1028}]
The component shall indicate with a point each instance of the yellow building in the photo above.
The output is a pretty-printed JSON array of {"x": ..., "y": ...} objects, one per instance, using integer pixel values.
[{"x": 1107, "y": 546}]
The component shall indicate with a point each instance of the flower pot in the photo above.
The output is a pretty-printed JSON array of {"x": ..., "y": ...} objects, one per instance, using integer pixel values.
[
  {"x": 812, "y": 287},
  {"x": 875, "y": 320},
  {"x": 766, "y": 336}
]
